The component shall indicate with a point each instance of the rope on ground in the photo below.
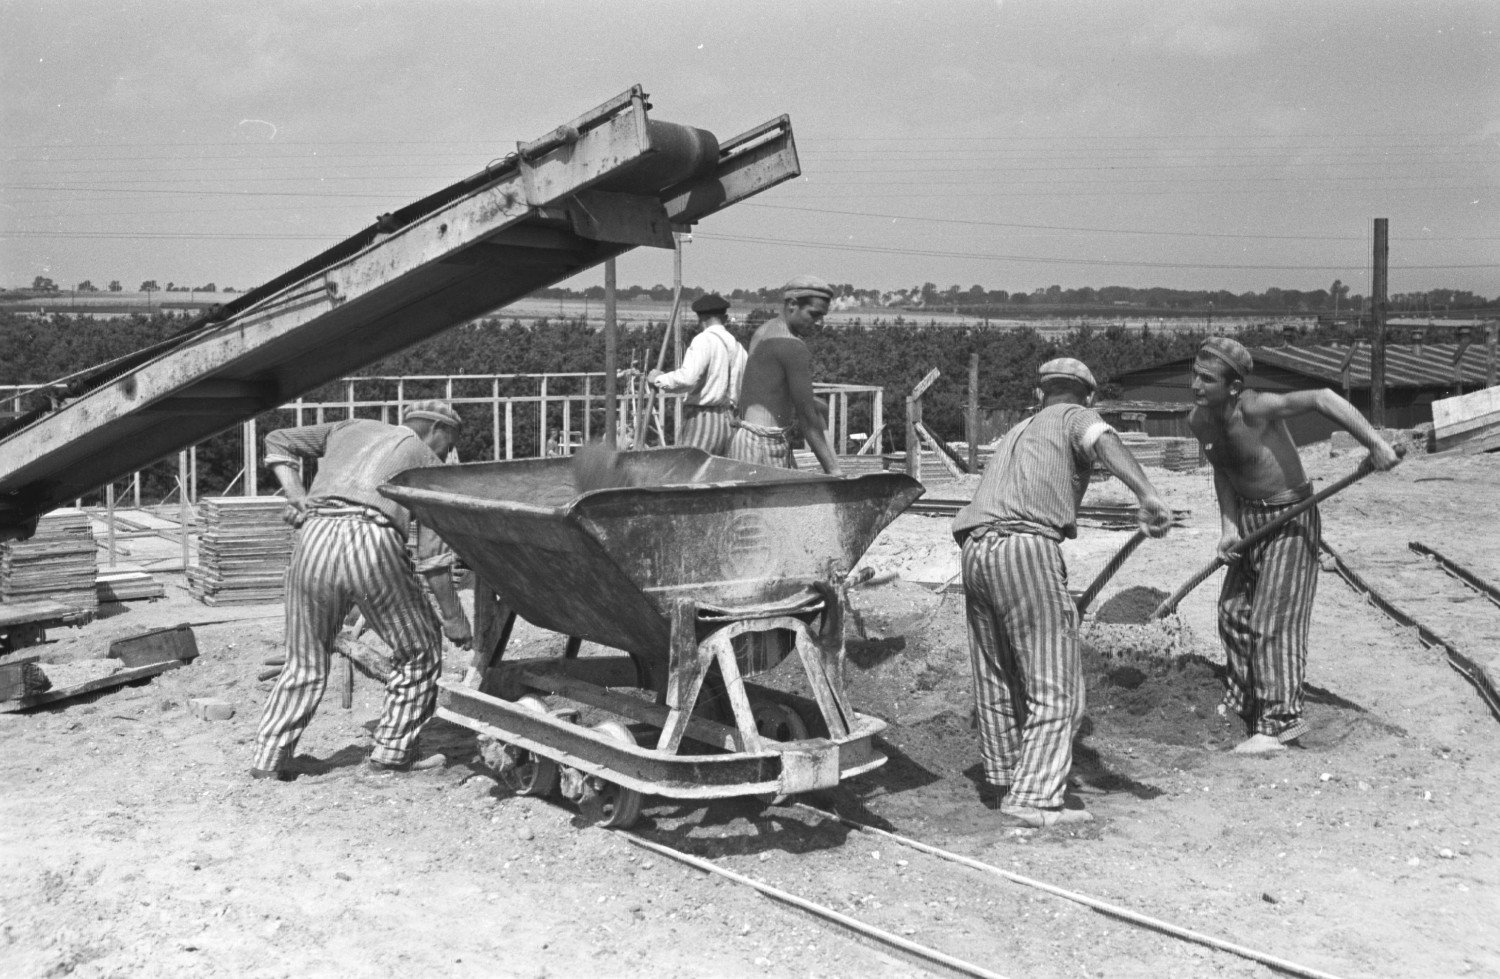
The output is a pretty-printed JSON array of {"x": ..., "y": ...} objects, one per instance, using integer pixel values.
[
  {"x": 1114, "y": 910},
  {"x": 853, "y": 924}
]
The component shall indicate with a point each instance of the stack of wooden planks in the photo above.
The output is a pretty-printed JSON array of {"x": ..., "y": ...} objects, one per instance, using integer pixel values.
[
  {"x": 1164, "y": 452},
  {"x": 127, "y": 583},
  {"x": 58, "y": 563},
  {"x": 243, "y": 553}
]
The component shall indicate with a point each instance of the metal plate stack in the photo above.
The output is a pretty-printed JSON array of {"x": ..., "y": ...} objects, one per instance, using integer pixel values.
[
  {"x": 244, "y": 550},
  {"x": 59, "y": 562}
]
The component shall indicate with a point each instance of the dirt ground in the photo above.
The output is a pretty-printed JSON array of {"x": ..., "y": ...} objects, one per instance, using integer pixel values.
[{"x": 132, "y": 841}]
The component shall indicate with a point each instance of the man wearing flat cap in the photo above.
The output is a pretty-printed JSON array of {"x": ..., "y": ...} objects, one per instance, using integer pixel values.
[
  {"x": 1265, "y": 603},
  {"x": 777, "y": 393},
  {"x": 1023, "y": 624},
  {"x": 709, "y": 378},
  {"x": 351, "y": 551}
]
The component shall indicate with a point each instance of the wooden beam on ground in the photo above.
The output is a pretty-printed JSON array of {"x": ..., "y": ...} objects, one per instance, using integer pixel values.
[
  {"x": 102, "y": 683},
  {"x": 944, "y": 453}
]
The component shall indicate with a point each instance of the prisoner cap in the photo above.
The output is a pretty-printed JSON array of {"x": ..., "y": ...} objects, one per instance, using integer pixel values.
[
  {"x": 807, "y": 286},
  {"x": 436, "y": 411},
  {"x": 1231, "y": 352},
  {"x": 1070, "y": 368},
  {"x": 711, "y": 303}
]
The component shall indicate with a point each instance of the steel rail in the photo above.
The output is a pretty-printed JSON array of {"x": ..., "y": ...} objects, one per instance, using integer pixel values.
[
  {"x": 1104, "y": 907},
  {"x": 1458, "y": 571},
  {"x": 1462, "y": 665},
  {"x": 786, "y": 897}
]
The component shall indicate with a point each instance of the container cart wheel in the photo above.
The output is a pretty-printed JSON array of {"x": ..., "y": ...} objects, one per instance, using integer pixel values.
[
  {"x": 621, "y": 807},
  {"x": 778, "y": 722},
  {"x": 529, "y": 774}
]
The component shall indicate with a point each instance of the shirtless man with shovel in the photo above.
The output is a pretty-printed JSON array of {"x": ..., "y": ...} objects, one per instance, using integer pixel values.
[{"x": 1265, "y": 605}]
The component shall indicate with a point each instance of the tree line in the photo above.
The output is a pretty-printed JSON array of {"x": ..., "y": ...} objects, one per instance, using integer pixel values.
[
  {"x": 978, "y": 301},
  {"x": 891, "y": 355}
]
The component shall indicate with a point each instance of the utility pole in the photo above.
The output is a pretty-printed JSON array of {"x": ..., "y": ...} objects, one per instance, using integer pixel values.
[
  {"x": 1377, "y": 322},
  {"x": 676, "y": 326},
  {"x": 611, "y": 358},
  {"x": 1493, "y": 329},
  {"x": 972, "y": 416}
]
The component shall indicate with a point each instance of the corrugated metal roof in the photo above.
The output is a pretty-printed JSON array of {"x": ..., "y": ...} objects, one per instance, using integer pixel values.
[{"x": 1406, "y": 365}]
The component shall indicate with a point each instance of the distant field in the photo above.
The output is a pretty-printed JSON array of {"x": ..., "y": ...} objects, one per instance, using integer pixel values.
[
  {"x": 116, "y": 303},
  {"x": 635, "y": 312}
]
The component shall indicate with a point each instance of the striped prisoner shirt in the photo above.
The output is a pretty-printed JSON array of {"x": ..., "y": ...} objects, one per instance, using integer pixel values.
[
  {"x": 1037, "y": 475},
  {"x": 355, "y": 457}
]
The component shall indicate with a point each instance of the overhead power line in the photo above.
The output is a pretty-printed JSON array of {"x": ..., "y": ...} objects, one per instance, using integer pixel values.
[
  {"x": 1102, "y": 231},
  {"x": 1063, "y": 260}
]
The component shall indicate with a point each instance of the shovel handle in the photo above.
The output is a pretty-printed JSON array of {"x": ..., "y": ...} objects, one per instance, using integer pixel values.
[
  {"x": 1261, "y": 533},
  {"x": 1092, "y": 591}
]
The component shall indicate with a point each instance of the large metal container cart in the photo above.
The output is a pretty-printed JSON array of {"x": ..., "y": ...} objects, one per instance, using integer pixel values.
[{"x": 702, "y": 572}]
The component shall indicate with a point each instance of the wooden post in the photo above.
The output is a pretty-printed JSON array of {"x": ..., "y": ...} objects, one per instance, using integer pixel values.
[
  {"x": 913, "y": 419},
  {"x": 182, "y": 504},
  {"x": 109, "y": 521},
  {"x": 877, "y": 421},
  {"x": 252, "y": 458},
  {"x": 1377, "y": 323},
  {"x": 495, "y": 418},
  {"x": 677, "y": 344},
  {"x": 1490, "y": 344},
  {"x": 844, "y": 423},
  {"x": 611, "y": 358},
  {"x": 971, "y": 418},
  {"x": 588, "y": 406},
  {"x": 541, "y": 433}
]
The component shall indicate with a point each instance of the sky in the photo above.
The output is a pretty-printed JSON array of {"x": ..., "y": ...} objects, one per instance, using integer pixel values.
[{"x": 1233, "y": 144}]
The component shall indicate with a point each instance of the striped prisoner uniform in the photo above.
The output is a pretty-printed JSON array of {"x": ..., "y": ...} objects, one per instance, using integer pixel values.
[
  {"x": 351, "y": 551},
  {"x": 1265, "y": 612},
  {"x": 710, "y": 380},
  {"x": 1023, "y": 640},
  {"x": 761, "y": 445}
]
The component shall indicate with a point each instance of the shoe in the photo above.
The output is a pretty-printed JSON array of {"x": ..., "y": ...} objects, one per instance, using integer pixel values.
[
  {"x": 1259, "y": 744},
  {"x": 1036, "y": 817},
  {"x": 422, "y": 764},
  {"x": 275, "y": 774}
]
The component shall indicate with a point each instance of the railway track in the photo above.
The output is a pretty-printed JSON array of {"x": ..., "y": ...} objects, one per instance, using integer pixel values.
[
  {"x": 919, "y": 938},
  {"x": 1452, "y": 608}
]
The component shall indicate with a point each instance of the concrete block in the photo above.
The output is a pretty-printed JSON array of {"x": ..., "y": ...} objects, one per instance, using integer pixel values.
[{"x": 211, "y": 708}]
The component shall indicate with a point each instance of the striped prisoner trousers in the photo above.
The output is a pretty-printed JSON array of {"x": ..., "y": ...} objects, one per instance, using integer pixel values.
[
  {"x": 338, "y": 563},
  {"x": 1265, "y": 611},
  {"x": 706, "y": 427},
  {"x": 1023, "y": 646},
  {"x": 761, "y": 446}
]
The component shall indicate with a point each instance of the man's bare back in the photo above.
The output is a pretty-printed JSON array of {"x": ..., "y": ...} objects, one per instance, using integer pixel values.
[
  {"x": 765, "y": 393},
  {"x": 776, "y": 391}
]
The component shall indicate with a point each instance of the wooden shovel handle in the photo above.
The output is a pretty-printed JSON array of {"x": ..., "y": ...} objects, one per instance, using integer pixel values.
[{"x": 1261, "y": 533}]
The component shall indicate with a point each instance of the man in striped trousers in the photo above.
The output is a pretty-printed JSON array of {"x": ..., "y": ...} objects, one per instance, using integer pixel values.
[
  {"x": 1023, "y": 624},
  {"x": 1265, "y": 604},
  {"x": 709, "y": 378},
  {"x": 351, "y": 551}
]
